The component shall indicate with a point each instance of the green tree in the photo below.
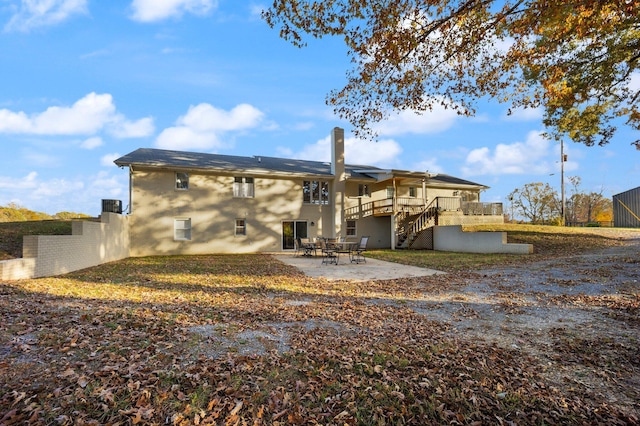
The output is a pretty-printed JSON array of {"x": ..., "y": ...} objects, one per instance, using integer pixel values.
[
  {"x": 574, "y": 59},
  {"x": 537, "y": 202}
]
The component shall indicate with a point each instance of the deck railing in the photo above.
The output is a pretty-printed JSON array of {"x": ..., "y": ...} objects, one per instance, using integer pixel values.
[
  {"x": 416, "y": 206},
  {"x": 482, "y": 209}
]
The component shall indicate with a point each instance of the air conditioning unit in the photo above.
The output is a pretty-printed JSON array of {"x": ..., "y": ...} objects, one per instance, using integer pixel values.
[{"x": 112, "y": 206}]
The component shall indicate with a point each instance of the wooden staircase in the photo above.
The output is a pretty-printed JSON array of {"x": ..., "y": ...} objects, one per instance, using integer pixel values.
[{"x": 410, "y": 226}]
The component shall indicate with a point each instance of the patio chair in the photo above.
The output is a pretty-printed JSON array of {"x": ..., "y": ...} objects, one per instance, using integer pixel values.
[
  {"x": 297, "y": 245},
  {"x": 329, "y": 253},
  {"x": 356, "y": 254},
  {"x": 308, "y": 246}
]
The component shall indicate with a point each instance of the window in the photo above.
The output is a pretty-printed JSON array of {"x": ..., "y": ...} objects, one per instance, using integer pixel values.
[
  {"x": 363, "y": 190},
  {"x": 390, "y": 191},
  {"x": 351, "y": 228},
  {"x": 315, "y": 192},
  {"x": 182, "y": 229},
  {"x": 412, "y": 191},
  {"x": 241, "y": 227},
  {"x": 182, "y": 181},
  {"x": 243, "y": 187}
]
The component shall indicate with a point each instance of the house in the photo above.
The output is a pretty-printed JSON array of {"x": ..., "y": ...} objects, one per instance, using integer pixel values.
[{"x": 193, "y": 203}]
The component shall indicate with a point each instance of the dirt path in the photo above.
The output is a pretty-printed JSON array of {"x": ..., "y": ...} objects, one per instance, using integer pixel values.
[{"x": 577, "y": 315}]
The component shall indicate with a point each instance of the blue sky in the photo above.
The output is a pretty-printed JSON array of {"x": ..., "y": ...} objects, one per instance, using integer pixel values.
[{"x": 84, "y": 82}]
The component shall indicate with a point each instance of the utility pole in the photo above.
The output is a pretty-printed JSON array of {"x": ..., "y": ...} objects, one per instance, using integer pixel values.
[{"x": 563, "y": 158}]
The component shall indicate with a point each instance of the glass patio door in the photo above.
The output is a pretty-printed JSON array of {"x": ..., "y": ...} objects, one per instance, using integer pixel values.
[{"x": 290, "y": 231}]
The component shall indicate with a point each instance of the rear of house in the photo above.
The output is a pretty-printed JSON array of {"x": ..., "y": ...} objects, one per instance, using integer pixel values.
[{"x": 195, "y": 203}]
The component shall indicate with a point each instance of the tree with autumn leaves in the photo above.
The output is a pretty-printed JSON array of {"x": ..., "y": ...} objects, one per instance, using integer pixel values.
[
  {"x": 538, "y": 203},
  {"x": 574, "y": 59}
]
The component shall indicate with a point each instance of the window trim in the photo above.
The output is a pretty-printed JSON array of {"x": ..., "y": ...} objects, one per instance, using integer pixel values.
[
  {"x": 242, "y": 188},
  {"x": 316, "y": 192},
  {"x": 179, "y": 184},
  {"x": 353, "y": 228},
  {"x": 242, "y": 227},
  {"x": 364, "y": 190},
  {"x": 391, "y": 192},
  {"x": 187, "y": 229}
]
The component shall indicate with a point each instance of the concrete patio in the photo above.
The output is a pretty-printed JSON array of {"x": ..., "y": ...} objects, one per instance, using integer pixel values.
[{"x": 373, "y": 269}]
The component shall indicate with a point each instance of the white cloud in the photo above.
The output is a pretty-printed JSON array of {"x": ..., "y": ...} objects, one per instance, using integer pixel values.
[
  {"x": 80, "y": 194},
  {"x": 108, "y": 159},
  {"x": 87, "y": 116},
  {"x": 517, "y": 158},
  {"x": 92, "y": 142},
  {"x": 56, "y": 188},
  {"x": 255, "y": 10},
  {"x": 42, "y": 13},
  {"x": 430, "y": 165},
  {"x": 158, "y": 10},
  {"x": 203, "y": 124},
  {"x": 435, "y": 121},
  {"x": 27, "y": 182},
  {"x": 634, "y": 81},
  {"x": 41, "y": 158},
  {"x": 356, "y": 151},
  {"x": 123, "y": 128}
]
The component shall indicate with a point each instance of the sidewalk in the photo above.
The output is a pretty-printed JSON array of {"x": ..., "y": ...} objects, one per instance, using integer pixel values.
[{"x": 373, "y": 269}]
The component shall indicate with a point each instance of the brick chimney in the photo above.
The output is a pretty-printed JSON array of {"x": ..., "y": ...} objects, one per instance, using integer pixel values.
[
  {"x": 337, "y": 152},
  {"x": 339, "y": 180}
]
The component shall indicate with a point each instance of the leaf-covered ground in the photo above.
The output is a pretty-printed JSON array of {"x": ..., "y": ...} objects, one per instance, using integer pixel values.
[{"x": 245, "y": 339}]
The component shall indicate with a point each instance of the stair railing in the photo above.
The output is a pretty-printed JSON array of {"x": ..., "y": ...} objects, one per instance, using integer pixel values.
[{"x": 427, "y": 218}]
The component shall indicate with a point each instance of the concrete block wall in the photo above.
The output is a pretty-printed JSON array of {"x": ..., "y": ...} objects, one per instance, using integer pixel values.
[
  {"x": 458, "y": 218},
  {"x": 452, "y": 238},
  {"x": 90, "y": 244}
]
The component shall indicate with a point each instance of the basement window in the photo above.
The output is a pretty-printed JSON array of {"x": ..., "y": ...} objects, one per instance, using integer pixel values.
[
  {"x": 351, "y": 228},
  {"x": 241, "y": 227},
  {"x": 182, "y": 229}
]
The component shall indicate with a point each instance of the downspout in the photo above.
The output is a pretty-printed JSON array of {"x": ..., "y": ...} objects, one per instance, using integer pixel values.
[
  {"x": 394, "y": 222},
  {"x": 130, "y": 189},
  {"x": 424, "y": 191}
]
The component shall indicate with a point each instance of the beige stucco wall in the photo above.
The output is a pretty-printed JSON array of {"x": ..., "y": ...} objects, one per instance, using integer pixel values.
[
  {"x": 212, "y": 208},
  {"x": 210, "y": 205},
  {"x": 90, "y": 244},
  {"x": 452, "y": 238}
]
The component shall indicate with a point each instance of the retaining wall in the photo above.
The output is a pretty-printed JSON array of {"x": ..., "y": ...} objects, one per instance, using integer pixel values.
[
  {"x": 452, "y": 238},
  {"x": 90, "y": 244}
]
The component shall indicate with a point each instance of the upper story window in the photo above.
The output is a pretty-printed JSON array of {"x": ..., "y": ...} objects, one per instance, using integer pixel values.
[
  {"x": 182, "y": 181},
  {"x": 243, "y": 187},
  {"x": 412, "y": 191},
  {"x": 315, "y": 192},
  {"x": 390, "y": 191},
  {"x": 363, "y": 190}
]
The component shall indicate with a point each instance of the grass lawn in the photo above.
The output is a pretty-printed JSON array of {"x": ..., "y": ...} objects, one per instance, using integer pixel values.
[{"x": 245, "y": 339}]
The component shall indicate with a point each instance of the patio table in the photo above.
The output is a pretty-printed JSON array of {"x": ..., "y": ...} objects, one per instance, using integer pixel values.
[{"x": 345, "y": 246}]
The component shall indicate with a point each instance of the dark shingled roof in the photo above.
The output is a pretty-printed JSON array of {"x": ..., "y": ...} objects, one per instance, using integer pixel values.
[
  {"x": 165, "y": 159},
  {"x": 227, "y": 163}
]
